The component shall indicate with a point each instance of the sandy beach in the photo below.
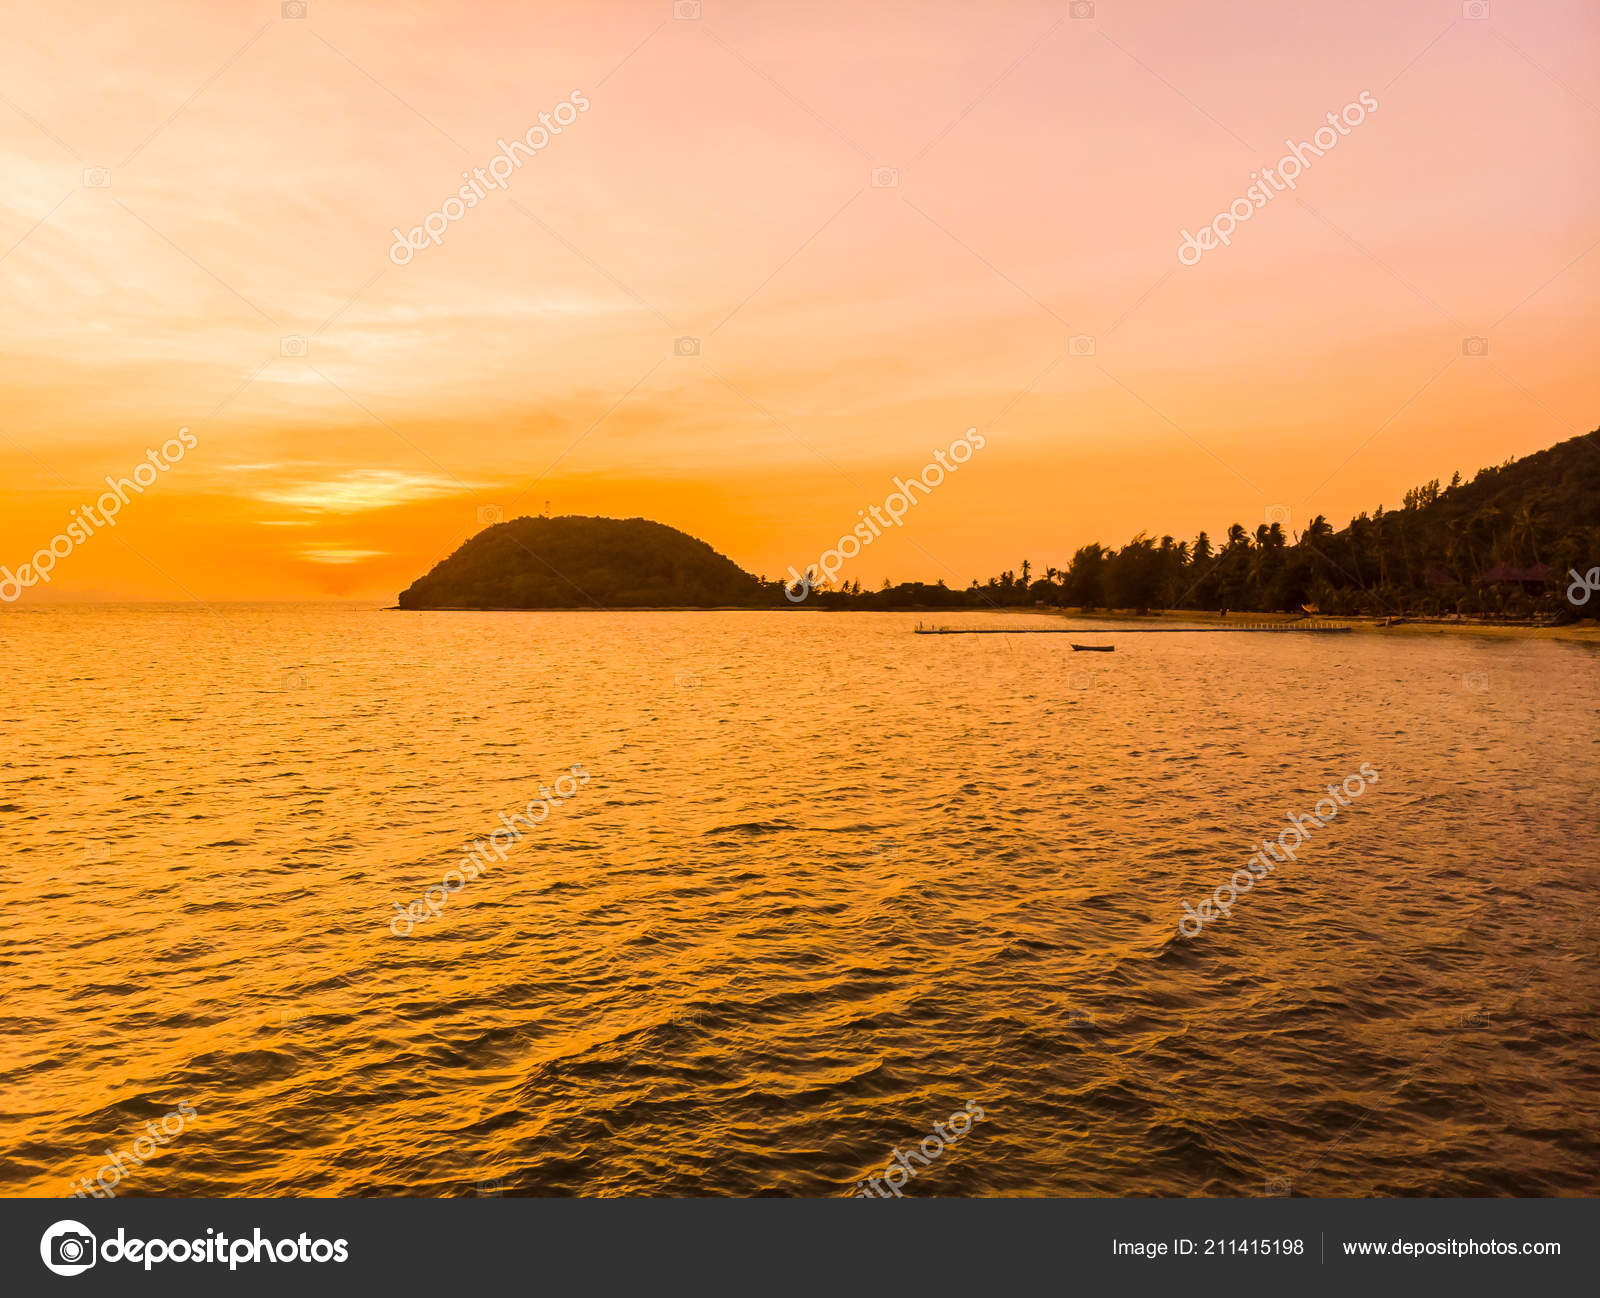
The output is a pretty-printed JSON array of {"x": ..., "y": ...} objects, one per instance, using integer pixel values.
[{"x": 1585, "y": 631}]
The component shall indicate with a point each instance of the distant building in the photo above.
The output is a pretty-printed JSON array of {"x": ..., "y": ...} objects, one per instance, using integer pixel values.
[{"x": 1532, "y": 580}]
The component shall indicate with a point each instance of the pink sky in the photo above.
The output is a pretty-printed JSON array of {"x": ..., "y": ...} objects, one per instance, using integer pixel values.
[{"x": 720, "y": 186}]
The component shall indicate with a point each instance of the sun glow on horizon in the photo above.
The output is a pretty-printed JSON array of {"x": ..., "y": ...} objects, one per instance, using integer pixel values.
[{"x": 780, "y": 258}]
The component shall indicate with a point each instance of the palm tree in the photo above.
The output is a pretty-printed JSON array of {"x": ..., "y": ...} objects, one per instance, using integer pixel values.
[{"x": 1525, "y": 531}]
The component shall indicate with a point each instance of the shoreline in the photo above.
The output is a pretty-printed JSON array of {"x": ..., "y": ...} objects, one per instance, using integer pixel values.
[{"x": 1585, "y": 631}]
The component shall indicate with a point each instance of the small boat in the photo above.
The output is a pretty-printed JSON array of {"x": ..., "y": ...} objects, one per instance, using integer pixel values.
[{"x": 1093, "y": 648}]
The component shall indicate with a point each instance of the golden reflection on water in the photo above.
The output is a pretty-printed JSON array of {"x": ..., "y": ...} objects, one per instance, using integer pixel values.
[{"x": 828, "y": 883}]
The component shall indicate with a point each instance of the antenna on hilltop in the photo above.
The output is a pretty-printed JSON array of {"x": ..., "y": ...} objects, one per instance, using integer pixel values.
[{"x": 547, "y": 509}]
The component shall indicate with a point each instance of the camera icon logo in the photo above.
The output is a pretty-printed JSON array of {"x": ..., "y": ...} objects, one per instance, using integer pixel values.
[
  {"x": 1079, "y": 1016},
  {"x": 1279, "y": 1187},
  {"x": 686, "y": 9},
  {"x": 293, "y": 345},
  {"x": 68, "y": 1248},
  {"x": 1278, "y": 514},
  {"x": 293, "y": 8},
  {"x": 686, "y": 346},
  {"x": 1082, "y": 345},
  {"x": 1081, "y": 8},
  {"x": 489, "y": 515},
  {"x": 688, "y": 681},
  {"x": 96, "y": 178},
  {"x": 1475, "y": 346},
  {"x": 1475, "y": 8},
  {"x": 291, "y": 1018},
  {"x": 885, "y": 178},
  {"x": 1477, "y": 681}
]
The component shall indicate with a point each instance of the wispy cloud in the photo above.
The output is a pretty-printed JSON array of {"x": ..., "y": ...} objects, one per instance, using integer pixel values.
[
  {"x": 361, "y": 490},
  {"x": 339, "y": 556}
]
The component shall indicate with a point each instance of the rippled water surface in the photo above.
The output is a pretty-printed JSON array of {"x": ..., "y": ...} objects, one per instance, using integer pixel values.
[{"x": 827, "y": 883}]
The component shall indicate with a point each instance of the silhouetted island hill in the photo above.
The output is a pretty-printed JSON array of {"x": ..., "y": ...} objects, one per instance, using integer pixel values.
[{"x": 1499, "y": 545}]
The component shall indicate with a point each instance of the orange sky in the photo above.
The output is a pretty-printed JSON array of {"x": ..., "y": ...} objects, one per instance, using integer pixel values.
[{"x": 720, "y": 186}]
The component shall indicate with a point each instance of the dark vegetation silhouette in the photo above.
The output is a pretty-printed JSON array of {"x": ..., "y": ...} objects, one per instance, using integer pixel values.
[
  {"x": 1500, "y": 545},
  {"x": 582, "y": 562}
]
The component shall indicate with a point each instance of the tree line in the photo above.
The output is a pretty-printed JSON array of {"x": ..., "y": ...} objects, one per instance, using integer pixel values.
[{"x": 1500, "y": 545}]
